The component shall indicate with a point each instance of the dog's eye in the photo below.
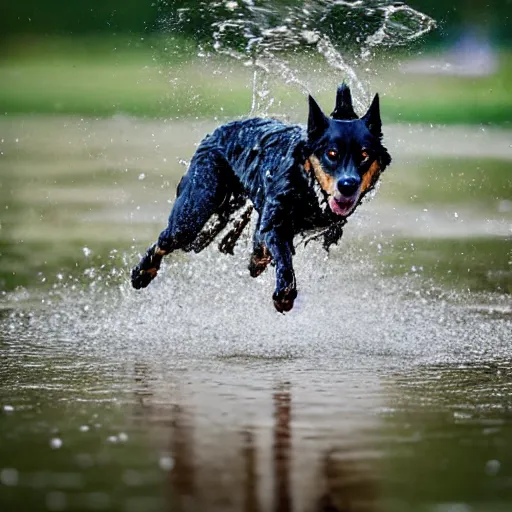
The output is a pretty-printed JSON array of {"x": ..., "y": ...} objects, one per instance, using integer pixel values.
[
  {"x": 364, "y": 154},
  {"x": 332, "y": 154}
]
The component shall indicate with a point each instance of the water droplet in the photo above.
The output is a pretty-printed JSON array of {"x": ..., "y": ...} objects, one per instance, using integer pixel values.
[
  {"x": 166, "y": 462},
  {"x": 87, "y": 251},
  {"x": 8, "y": 408},
  {"x": 492, "y": 467},
  {"x": 142, "y": 176},
  {"x": 55, "y": 443}
]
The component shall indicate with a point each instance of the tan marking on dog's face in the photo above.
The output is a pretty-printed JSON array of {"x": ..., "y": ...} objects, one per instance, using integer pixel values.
[
  {"x": 370, "y": 176},
  {"x": 326, "y": 181}
]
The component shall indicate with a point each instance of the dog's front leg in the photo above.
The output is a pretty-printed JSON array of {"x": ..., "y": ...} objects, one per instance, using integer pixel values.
[{"x": 280, "y": 247}]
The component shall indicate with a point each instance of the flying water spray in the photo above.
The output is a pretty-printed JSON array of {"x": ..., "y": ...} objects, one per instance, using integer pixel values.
[{"x": 266, "y": 35}]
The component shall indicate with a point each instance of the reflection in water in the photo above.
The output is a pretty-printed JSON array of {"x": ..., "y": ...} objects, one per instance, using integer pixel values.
[
  {"x": 228, "y": 438},
  {"x": 255, "y": 468},
  {"x": 182, "y": 474},
  {"x": 215, "y": 480},
  {"x": 349, "y": 487},
  {"x": 251, "y": 499},
  {"x": 282, "y": 450}
]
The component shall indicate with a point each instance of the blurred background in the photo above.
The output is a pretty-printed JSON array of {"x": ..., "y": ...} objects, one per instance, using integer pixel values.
[{"x": 108, "y": 57}]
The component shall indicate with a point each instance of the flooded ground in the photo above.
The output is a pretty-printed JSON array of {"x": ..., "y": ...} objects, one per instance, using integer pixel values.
[{"x": 388, "y": 387}]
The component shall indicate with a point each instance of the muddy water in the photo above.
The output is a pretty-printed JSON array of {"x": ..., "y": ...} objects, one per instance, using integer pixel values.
[{"x": 387, "y": 388}]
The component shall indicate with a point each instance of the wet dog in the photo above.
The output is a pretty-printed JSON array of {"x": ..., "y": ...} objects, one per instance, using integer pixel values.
[{"x": 298, "y": 179}]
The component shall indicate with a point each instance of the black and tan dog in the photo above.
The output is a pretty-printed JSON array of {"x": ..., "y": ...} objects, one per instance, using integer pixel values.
[{"x": 296, "y": 179}]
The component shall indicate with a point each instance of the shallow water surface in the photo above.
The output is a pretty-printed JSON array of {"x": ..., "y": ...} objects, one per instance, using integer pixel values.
[{"x": 386, "y": 388}]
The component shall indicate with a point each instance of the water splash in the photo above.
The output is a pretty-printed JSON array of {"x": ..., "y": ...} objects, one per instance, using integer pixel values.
[
  {"x": 267, "y": 37},
  {"x": 205, "y": 306}
]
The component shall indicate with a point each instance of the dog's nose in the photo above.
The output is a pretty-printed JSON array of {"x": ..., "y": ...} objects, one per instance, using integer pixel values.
[{"x": 347, "y": 186}]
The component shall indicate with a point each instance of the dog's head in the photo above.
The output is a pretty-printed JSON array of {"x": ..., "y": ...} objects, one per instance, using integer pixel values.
[{"x": 346, "y": 152}]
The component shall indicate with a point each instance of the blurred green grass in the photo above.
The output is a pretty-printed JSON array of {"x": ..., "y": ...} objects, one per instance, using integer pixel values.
[
  {"x": 164, "y": 78},
  {"x": 478, "y": 181}
]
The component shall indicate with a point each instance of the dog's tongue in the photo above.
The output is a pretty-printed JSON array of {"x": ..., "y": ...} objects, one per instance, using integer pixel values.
[{"x": 339, "y": 208}]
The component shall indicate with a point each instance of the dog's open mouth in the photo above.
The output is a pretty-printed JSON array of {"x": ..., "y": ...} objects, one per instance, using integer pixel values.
[{"x": 341, "y": 206}]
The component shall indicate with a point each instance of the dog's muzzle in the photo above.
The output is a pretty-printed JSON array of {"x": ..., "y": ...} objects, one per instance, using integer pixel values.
[
  {"x": 343, "y": 201},
  {"x": 341, "y": 205}
]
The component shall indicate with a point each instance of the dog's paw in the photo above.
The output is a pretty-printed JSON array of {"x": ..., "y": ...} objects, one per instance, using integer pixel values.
[
  {"x": 141, "y": 278},
  {"x": 260, "y": 259},
  {"x": 257, "y": 267},
  {"x": 284, "y": 299},
  {"x": 148, "y": 267}
]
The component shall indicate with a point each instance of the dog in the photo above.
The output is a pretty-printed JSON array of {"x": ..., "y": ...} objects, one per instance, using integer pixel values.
[{"x": 298, "y": 179}]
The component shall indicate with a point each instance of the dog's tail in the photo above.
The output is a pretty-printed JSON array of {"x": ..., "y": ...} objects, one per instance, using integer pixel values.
[{"x": 344, "y": 110}]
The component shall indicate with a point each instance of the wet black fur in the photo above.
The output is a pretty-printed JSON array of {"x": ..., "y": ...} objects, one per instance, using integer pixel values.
[{"x": 263, "y": 160}]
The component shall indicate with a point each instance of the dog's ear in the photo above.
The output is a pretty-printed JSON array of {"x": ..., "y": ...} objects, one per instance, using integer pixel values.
[
  {"x": 317, "y": 120},
  {"x": 343, "y": 109},
  {"x": 372, "y": 118}
]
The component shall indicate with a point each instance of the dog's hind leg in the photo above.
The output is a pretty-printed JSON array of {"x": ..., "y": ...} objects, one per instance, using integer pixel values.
[
  {"x": 206, "y": 186},
  {"x": 227, "y": 244},
  {"x": 224, "y": 215}
]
